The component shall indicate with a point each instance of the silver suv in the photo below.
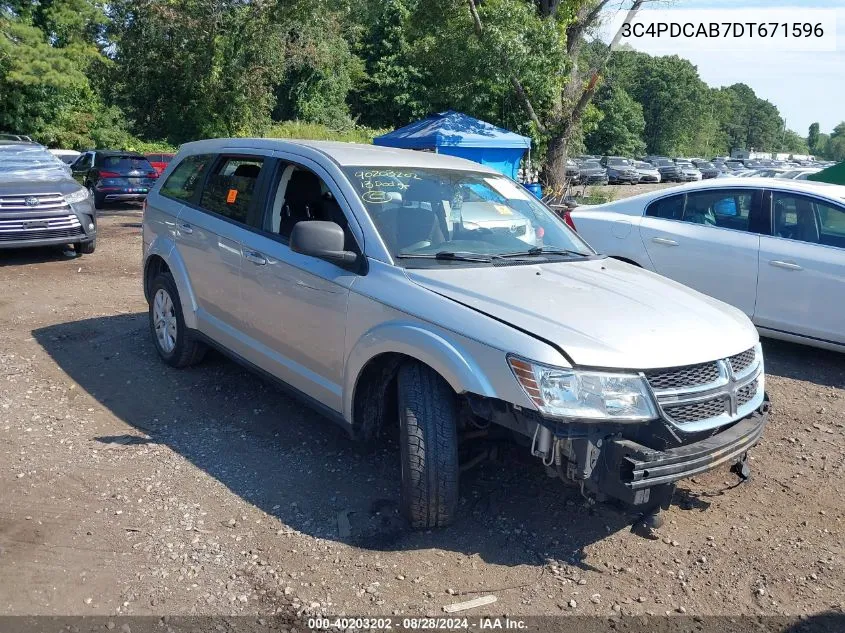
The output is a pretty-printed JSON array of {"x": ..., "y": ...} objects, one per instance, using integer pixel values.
[{"x": 349, "y": 274}]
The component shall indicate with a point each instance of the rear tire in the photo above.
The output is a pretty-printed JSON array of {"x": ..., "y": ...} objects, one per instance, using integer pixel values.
[
  {"x": 428, "y": 441},
  {"x": 175, "y": 343}
]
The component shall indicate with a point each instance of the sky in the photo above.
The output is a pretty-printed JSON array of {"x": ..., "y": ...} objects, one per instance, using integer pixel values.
[{"x": 806, "y": 85}]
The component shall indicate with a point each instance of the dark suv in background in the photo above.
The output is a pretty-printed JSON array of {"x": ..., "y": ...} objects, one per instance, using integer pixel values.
[
  {"x": 669, "y": 171},
  {"x": 40, "y": 204},
  {"x": 114, "y": 176},
  {"x": 620, "y": 170}
]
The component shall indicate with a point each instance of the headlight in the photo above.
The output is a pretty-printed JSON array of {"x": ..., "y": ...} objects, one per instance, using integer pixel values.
[
  {"x": 76, "y": 196},
  {"x": 588, "y": 395}
]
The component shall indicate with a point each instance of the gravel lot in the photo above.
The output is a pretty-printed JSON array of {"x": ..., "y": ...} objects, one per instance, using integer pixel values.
[{"x": 132, "y": 488}]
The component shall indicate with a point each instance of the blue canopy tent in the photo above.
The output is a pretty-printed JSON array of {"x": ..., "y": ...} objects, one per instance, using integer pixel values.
[{"x": 461, "y": 135}]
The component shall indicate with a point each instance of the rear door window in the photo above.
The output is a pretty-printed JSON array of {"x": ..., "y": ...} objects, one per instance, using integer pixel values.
[
  {"x": 727, "y": 209},
  {"x": 669, "y": 208},
  {"x": 231, "y": 185},
  {"x": 185, "y": 180}
]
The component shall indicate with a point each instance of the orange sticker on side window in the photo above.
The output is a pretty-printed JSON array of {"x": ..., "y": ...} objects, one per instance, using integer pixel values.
[{"x": 232, "y": 196}]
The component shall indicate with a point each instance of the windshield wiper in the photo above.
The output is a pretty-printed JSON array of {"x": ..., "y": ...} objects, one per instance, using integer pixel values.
[
  {"x": 544, "y": 250},
  {"x": 447, "y": 255}
]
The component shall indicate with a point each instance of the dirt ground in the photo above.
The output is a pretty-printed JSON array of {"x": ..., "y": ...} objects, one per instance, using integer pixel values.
[{"x": 132, "y": 488}]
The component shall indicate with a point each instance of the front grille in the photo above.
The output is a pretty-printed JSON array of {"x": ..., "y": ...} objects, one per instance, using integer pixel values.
[
  {"x": 706, "y": 391},
  {"x": 695, "y": 412},
  {"x": 42, "y": 202},
  {"x": 22, "y": 229},
  {"x": 682, "y": 377},
  {"x": 22, "y": 236},
  {"x": 746, "y": 394},
  {"x": 741, "y": 362}
]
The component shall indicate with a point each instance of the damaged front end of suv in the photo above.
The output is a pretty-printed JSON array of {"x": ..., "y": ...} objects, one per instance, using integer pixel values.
[{"x": 631, "y": 436}]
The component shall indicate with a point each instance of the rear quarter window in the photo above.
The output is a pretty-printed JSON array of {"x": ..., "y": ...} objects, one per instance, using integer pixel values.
[{"x": 183, "y": 181}]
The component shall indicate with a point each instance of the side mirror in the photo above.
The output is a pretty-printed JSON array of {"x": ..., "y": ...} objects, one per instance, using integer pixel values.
[{"x": 323, "y": 240}]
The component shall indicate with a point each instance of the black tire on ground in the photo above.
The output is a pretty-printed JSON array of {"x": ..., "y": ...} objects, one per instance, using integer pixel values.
[
  {"x": 86, "y": 248},
  {"x": 188, "y": 350},
  {"x": 428, "y": 439}
]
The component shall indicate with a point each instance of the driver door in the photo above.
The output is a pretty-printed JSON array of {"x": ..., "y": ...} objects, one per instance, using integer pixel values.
[{"x": 295, "y": 305}]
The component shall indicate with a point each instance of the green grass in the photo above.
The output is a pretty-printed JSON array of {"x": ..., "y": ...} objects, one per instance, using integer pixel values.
[{"x": 317, "y": 132}]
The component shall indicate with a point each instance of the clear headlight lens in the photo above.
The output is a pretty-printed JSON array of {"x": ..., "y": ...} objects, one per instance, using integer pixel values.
[
  {"x": 76, "y": 196},
  {"x": 587, "y": 395}
]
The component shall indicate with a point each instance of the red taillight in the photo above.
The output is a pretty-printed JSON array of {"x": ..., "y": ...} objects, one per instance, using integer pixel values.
[
  {"x": 567, "y": 217},
  {"x": 109, "y": 174},
  {"x": 152, "y": 174}
]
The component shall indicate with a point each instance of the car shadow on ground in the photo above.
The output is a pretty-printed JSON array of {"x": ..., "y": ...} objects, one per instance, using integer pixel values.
[
  {"x": 298, "y": 466},
  {"x": 35, "y": 255},
  {"x": 801, "y": 362}
]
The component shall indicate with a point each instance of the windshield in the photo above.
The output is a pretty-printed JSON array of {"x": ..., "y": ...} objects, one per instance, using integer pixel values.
[
  {"x": 665, "y": 162},
  {"x": 642, "y": 165},
  {"x": 30, "y": 161},
  {"x": 618, "y": 161},
  {"x": 704, "y": 165},
  {"x": 423, "y": 213}
]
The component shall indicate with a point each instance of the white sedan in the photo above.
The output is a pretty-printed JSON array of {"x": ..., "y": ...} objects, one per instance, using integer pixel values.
[{"x": 773, "y": 248}]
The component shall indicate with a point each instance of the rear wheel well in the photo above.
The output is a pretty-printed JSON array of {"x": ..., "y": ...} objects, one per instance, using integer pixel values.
[{"x": 154, "y": 267}]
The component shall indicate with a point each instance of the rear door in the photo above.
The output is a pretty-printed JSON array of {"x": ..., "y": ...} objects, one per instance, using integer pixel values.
[
  {"x": 802, "y": 268},
  {"x": 709, "y": 240},
  {"x": 210, "y": 231}
]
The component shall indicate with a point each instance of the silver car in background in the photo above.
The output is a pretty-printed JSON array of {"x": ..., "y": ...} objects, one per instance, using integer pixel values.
[
  {"x": 390, "y": 290},
  {"x": 40, "y": 203}
]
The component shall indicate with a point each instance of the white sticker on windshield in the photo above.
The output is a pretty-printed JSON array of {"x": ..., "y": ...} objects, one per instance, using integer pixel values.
[{"x": 509, "y": 190}]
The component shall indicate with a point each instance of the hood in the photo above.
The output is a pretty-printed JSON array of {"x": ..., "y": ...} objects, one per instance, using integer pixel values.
[
  {"x": 38, "y": 182},
  {"x": 601, "y": 312}
]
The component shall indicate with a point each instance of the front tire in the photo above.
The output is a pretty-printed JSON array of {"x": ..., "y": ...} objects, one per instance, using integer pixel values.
[
  {"x": 428, "y": 440},
  {"x": 175, "y": 343},
  {"x": 86, "y": 248}
]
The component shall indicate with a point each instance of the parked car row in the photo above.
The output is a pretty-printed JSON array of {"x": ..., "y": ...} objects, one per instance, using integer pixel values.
[{"x": 590, "y": 170}]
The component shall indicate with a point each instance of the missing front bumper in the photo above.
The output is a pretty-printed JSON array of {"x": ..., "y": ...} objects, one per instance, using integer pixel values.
[{"x": 627, "y": 469}]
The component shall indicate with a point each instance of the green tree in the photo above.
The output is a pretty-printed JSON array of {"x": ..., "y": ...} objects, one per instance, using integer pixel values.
[
  {"x": 48, "y": 51},
  {"x": 813, "y": 138},
  {"x": 621, "y": 128},
  {"x": 835, "y": 148}
]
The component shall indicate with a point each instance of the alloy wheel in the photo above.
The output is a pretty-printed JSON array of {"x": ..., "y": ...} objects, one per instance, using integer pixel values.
[{"x": 164, "y": 321}]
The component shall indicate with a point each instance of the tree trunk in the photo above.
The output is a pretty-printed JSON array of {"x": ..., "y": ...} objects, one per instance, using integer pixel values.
[{"x": 554, "y": 172}]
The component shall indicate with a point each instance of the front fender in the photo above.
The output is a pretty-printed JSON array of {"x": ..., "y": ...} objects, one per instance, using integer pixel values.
[
  {"x": 439, "y": 351},
  {"x": 165, "y": 248}
]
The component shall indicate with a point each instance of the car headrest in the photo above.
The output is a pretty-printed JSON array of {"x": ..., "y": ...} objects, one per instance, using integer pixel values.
[{"x": 247, "y": 171}]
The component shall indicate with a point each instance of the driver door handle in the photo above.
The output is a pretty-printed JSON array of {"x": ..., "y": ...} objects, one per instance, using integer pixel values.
[
  {"x": 185, "y": 228},
  {"x": 664, "y": 240},
  {"x": 256, "y": 258},
  {"x": 787, "y": 265}
]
